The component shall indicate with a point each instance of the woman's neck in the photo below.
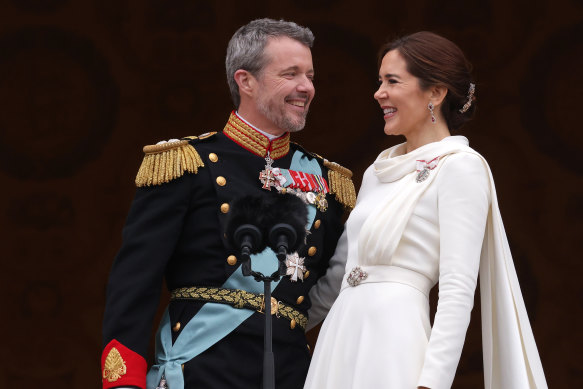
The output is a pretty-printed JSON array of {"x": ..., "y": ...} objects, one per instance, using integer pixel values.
[{"x": 429, "y": 134}]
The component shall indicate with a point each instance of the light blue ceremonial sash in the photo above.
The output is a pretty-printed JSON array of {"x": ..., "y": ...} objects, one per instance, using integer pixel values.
[{"x": 214, "y": 321}]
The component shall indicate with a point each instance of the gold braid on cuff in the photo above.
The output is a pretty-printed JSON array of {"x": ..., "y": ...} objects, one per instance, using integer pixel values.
[{"x": 240, "y": 299}]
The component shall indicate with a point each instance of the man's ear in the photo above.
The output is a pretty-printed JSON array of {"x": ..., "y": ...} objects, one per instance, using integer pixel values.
[
  {"x": 246, "y": 82},
  {"x": 438, "y": 93}
]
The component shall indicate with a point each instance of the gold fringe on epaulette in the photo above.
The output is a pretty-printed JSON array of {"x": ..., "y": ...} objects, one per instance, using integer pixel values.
[
  {"x": 166, "y": 162},
  {"x": 341, "y": 185}
]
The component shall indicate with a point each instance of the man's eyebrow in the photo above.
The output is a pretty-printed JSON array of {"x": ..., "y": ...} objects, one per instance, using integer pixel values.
[{"x": 296, "y": 68}]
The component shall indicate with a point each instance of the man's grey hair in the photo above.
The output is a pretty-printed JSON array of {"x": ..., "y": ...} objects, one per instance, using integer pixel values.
[{"x": 245, "y": 50}]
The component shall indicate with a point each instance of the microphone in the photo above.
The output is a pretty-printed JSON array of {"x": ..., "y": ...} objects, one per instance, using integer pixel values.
[
  {"x": 258, "y": 221},
  {"x": 244, "y": 228},
  {"x": 285, "y": 218}
]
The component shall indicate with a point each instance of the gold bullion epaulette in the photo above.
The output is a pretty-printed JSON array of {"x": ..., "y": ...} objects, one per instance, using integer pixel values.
[
  {"x": 341, "y": 185},
  {"x": 166, "y": 161},
  {"x": 339, "y": 180}
]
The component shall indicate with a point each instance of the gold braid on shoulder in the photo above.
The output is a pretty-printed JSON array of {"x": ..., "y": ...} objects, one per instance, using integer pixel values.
[
  {"x": 341, "y": 185},
  {"x": 166, "y": 162}
]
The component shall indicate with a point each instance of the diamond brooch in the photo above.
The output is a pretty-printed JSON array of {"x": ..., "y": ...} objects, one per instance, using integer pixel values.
[{"x": 356, "y": 276}]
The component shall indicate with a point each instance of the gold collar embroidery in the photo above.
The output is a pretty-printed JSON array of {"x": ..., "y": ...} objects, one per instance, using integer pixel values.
[{"x": 248, "y": 138}]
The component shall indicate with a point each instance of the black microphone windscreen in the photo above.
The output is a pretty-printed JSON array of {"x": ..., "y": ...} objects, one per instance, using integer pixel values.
[
  {"x": 245, "y": 210},
  {"x": 289, "y": 209}
]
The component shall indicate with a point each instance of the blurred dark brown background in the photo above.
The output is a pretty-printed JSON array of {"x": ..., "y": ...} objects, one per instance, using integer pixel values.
[{"x": 85, "y": 84}]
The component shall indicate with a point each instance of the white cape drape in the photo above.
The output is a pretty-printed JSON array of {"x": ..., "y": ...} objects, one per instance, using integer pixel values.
[{"x": 511, "y": 359}]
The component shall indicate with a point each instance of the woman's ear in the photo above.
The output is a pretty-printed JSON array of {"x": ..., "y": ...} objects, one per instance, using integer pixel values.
[
  {"x": 245, "y": 81},
  {"x": 438, "y": 93}
]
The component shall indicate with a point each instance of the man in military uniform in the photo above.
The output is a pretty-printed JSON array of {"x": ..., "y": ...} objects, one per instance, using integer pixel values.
[{"x": 211, "y": 335}]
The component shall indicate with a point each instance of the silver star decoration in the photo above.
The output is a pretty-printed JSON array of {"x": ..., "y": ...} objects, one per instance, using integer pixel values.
[{"x": 295, "y": 266}]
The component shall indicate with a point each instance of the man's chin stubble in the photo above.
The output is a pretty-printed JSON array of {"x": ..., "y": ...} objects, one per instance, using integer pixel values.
[{"x": 290, "y": 126}]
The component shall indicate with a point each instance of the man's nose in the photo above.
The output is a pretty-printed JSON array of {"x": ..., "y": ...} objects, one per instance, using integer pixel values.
[{"x": 306, "y": 85}]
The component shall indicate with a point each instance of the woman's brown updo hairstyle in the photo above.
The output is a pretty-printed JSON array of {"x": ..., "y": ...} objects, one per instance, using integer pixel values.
[{"x": 435, "y": 60}]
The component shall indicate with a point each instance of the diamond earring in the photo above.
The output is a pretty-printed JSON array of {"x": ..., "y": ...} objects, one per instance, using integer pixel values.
[{"x": 430, "y": 107}]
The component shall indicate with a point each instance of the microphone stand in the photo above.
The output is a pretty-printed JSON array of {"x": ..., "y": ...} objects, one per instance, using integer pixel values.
[
  {"x": 268, "y": 358},
  {"x": 282, "y": 238}
]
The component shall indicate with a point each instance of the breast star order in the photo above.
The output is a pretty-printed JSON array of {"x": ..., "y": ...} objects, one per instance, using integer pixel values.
[{"x": 295, "y": 266}]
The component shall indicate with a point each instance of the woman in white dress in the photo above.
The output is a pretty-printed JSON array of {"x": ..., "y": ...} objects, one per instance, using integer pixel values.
[{"x": 426, "y": 213}]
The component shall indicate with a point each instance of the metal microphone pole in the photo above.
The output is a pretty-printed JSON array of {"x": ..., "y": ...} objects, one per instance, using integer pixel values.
[
  {"x": 249, "y": 236},
  {"x": 268, "y": 358},
  {"x": 268, "y": 361}
]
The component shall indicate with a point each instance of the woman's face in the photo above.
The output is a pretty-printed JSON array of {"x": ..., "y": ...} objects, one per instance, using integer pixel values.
[{"x": 403, "y": 102}]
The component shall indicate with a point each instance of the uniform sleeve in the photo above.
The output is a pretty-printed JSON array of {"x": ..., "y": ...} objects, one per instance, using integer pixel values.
[
  {"x": 324, "y": 293},
  {"x": 152, "y": 229},
  {"x": 463, "y": 205}
]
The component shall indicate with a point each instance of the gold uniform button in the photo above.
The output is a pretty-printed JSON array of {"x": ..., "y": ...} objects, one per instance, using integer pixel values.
[
  {"x": 225, "y": 207},
  {"x": 300, "y": 300},
  {"x": 221, "y": 181},
  {"x": 308, "y": 346},
  {"x": 306, "y": 274},
  {"x": 292, "y": 324},
  {"x": 176, "y": 327},
  {"x": 231, "y": 260},
  {"x": 317, "y": 224},
  {"x": 213, "y": 157},
  {"x": 182, "y": 367},
  {"x": 312, "y": 251}
]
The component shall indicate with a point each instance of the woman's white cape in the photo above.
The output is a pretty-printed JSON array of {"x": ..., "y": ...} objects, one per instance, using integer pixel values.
[{"x": 511, "y": 359}]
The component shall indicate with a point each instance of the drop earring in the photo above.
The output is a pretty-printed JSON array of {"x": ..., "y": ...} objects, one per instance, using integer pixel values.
[{"x": 430, "y": 107}]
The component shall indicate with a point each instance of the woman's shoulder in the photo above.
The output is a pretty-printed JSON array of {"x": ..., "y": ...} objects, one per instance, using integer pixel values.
[
  {"x": 464, "y": 172},
  {"x": 467, "y": 161},
  {"x": 369, "y": 171}
]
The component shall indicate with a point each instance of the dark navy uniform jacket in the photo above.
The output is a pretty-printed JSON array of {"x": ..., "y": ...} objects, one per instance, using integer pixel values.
[{"x": 175, "y": 230}]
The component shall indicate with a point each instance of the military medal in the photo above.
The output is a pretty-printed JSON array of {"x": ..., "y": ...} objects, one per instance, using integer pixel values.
[
  {"x": 266, "y": 175},
  {"x": 311, "y": 188},
  {"x": 321, "y": 202},
  {"x": 424, "y": 167},
  {"x": 295, "y": 267}
]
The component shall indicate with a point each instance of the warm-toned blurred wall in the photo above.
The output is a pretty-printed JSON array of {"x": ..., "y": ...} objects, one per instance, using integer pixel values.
[{"x": 85, "y": 84}]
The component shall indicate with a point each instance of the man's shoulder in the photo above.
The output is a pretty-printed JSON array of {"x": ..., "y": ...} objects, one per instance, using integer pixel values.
[
  {"x": 168, "y": 160},
  {"x": 339, "y": 177},
  {"x": 202, "y": 138}
]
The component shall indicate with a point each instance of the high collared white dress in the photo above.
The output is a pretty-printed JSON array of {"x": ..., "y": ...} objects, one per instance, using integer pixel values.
[{"x": 378, "y": 334}]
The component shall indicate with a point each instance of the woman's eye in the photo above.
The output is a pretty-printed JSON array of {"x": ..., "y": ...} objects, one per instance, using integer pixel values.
[{"x": 388, "y": 81}]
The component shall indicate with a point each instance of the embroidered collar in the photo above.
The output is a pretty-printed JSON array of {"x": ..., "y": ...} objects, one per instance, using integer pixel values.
[{"x": 248, "y": 138}]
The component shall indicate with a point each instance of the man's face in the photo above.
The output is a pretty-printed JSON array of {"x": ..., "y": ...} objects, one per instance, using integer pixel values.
[{"x": 285, "y": 84}]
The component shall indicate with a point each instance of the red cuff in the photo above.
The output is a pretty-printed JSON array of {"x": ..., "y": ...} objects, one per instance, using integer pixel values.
[{"x": 121, "y": 366}]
